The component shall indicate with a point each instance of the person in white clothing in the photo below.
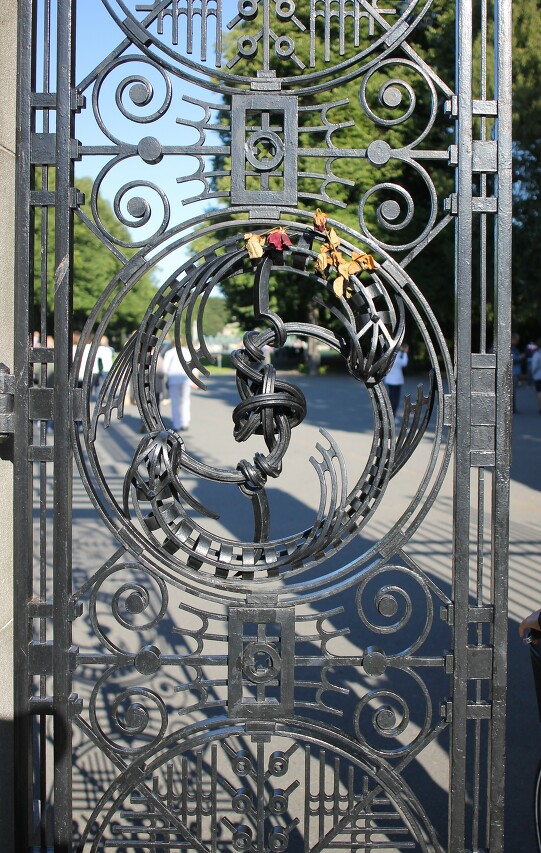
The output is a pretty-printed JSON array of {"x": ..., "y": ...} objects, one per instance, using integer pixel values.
[
  {"x": 395, "y": 378},
  {"x": 536, "y": 373},
  {"x": 76, "y": 337},
  {"x": 180, "y": 388},
  {"x": 104, "y": 360}
]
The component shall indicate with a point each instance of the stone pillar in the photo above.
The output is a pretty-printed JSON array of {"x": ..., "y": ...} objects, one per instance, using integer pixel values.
[{"x": 8, "y": 88}]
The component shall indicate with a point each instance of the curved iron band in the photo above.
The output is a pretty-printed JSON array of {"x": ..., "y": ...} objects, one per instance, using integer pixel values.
[
  {"x": 267, "y": 408},
  {"x": 140, "y": 355},
  {"x": 309, "y": 736},
  {"x": 176, "y": 304},
  {"x": 339, "y": 515},
  {"x": 415, "y": 420},
  {"x": 391, "y": 36}
]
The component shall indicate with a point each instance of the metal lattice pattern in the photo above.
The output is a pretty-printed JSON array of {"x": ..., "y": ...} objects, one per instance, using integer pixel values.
[{"x": 274, "y": 691}]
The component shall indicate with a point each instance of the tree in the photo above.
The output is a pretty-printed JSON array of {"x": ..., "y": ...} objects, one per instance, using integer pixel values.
[
  {"x": 216, "y": 316},
  {"x": 94, "y": 266},
  {"x": 527, "y": 168},
  {"x": 349, "y": 123},
  {"x": 526, "y": 49}
]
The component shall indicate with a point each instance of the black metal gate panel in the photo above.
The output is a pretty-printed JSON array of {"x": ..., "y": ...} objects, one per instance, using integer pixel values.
[{"x": 182, "y": 684}]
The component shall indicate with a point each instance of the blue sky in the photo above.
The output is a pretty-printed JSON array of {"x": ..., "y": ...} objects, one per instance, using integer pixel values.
[{"x": 97, "y": 35}]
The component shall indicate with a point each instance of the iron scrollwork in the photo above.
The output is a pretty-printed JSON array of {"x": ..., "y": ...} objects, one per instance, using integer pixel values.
[
  {"x": 238, "y": 707},
  {"x": 372, "y": 326},
  {"x": 265, "y": 580}
]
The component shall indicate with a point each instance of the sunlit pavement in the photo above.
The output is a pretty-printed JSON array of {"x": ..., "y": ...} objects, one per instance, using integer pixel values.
[{"x": 341, "y": 406}]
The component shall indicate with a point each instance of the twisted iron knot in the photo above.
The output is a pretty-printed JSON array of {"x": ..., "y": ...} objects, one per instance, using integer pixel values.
[{"x": 270, "y": 407}]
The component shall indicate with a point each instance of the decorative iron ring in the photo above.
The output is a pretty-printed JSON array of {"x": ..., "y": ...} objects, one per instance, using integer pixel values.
[
  {"x": 248, "y": 415},
  {"x": 155, "y": 511}
]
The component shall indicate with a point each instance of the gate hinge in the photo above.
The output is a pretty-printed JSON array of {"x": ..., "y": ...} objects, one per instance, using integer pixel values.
[
  {"x": 446, "y": 710},
  {"x": 75, "y": 609},
  {"x": 75, "y": 705},
  {"x": 450, "y": 108},
  {"x": 480, "y": 661},
  {"x": 45, "y": 705},
  {"x": 78, "y": 101},
  {"x": 479, "y": 711},
  {"x": 77, "y": 199},
  {"x": 450, "y": 204},
  {"x": 447, "y": 613},
  {"x": 40, "y": 658},
  {"x": 43, "y": 149},
  {"x": 7, "y": 400},
  {"x": 479, "y": 108},
  {"x": 485, "y": 156},
  {"x": 485, "y": 108},
  {"x": 40, "y": 705}
]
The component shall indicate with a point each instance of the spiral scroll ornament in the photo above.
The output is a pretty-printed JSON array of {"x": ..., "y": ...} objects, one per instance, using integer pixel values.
[
  {"x": 142, "y": 95},
  {"x": 157, "y": 511},
  {"x": 138, "y": 602},
  {"x": 384, "y": 722},
  {"x": 138, "y": 98},
  {"x": 391, "y": 101},
  {"x": 129, "y": 720},
  {"x": 386, "y": 608},
  {"x": 396, "y": 210}
]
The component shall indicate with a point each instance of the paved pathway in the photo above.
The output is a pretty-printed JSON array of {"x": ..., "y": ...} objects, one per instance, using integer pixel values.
[{"x": 347, "y": 414}]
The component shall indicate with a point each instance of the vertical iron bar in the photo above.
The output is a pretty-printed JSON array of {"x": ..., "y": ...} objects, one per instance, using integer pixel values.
[
  {"x": 260, "y": 833},
  {"x": 483, "y": 182},
  {"x": 62, "y": 444},
  {"x": 214, "y": 798},
  {"x": 46, "y": 215},
  {"x": 266, "y": 35},
  {"x": 199, "y": 795},
  {"x": 321, "y": 814},
  {"x": 22, "y": 468},
  {"x": 461, "y": 561},
  {"x": 307, "y": 800},
  {"x": 500, "y": 512},
  {"x": 478, "y": 724}
]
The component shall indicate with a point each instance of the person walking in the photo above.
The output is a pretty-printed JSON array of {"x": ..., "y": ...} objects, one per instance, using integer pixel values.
[
  {"x": 180, "y": 388},
  {"x": 517, "y": 358},
  {"x": 395, "y": 378},
  {"x": 536, "y": 372},
  {"x": 104, "y": 358}
]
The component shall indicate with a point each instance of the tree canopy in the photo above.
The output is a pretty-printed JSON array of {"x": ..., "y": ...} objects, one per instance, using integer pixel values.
[
  {"x": 94, "y": 266},
  {"x": 351, "y": 126},
  {"x": 352, "y": 116},
  {"x": 527, "y": 168}
]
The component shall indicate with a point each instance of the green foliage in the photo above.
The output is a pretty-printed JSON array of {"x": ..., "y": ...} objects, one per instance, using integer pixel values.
[
  {"x": 527, "y": 168},
  {"x": 433, "y": 268},
  {"x": 94, "y": 266},
  {"x": 527, "y": 73},
  {"x": 347, "y": 122},
  {"x": 216, "y": 316}
]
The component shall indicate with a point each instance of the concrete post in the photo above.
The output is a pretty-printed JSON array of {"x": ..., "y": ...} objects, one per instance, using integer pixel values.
[{"x": 8, "y": 88}]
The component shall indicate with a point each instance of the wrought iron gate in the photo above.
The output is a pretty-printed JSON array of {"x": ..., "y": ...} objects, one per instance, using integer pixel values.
[{"x": 277, "y": 690}]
